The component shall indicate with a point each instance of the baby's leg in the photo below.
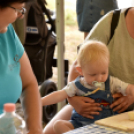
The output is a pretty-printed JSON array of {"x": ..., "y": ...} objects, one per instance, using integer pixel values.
[
  {"x": 62, "y": 126},
  {"x": 63, "y": 114}
]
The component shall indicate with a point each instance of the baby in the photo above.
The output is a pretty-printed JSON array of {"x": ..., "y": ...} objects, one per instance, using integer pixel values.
[{"x": 94, "y": 82}]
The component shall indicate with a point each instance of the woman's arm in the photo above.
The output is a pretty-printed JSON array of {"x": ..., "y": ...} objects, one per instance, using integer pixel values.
[
  {"x": 30, "y": 98},
  {"x": 54, "y": 97},
  {"x": 73, "y": 73}
]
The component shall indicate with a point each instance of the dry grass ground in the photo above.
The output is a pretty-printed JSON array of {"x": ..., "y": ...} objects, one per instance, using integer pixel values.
[{"x": 72, "y": 39}]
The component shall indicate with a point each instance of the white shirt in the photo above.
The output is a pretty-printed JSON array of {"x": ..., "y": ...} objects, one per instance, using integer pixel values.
[{"x": 72, "y": 90}]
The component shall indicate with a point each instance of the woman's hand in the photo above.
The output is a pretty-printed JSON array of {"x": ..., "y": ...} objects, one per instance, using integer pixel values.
[
  {"x": 85, "y": 106},
  {"x": 121, "y": 102}
]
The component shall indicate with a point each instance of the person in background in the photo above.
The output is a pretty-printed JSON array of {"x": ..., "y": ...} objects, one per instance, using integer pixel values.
[
  {"x": 121, "y": 50},
  {"x": 94, "y": 82},
  {"x": 90, "y": 11},
  {"x": 16, "y": 76}
]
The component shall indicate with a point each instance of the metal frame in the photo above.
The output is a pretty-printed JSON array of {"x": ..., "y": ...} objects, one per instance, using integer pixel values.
[{"x": 60, "y": 44}]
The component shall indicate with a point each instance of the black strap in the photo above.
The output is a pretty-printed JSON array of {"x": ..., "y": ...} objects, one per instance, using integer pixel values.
[{"x": 114, "y": 23}]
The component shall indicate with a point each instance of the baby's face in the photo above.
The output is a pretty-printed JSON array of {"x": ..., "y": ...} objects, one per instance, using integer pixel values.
[{"x": 95, "y": 72}]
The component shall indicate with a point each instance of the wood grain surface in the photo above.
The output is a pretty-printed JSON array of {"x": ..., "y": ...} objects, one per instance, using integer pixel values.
[{"x": 120, "y": 121}]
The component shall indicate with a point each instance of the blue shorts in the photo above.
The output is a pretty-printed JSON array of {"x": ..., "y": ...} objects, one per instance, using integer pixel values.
[
  {"x": 90, "y": 11},
  {"x": 79, "y": 121}
]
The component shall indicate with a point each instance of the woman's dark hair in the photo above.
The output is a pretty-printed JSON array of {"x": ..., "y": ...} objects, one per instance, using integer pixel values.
[{"x": 5, "y": 3}]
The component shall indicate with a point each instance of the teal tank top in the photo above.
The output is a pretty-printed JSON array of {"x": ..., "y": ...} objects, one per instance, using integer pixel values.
[{"x": 11, "y": 50}]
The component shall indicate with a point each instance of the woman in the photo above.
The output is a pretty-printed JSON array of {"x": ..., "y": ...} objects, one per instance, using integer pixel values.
[
  {"x": 121, "y": 65},
  {"x": 16, "y": 75}
]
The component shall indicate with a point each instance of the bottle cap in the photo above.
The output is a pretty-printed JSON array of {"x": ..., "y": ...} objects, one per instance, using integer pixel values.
[{"x": 9, "y": 107}]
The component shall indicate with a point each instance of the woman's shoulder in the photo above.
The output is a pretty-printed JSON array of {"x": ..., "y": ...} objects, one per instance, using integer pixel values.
[
  {"x": 10, "y": 28},
  {"x": 10, "y": 32}
]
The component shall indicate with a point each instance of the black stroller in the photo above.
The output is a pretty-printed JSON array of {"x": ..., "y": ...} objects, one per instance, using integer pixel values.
[{"x": 39, "y": 43}]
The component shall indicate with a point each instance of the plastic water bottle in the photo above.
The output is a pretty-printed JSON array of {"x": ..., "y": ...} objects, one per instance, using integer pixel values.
[{"x": 10, "y": 122}]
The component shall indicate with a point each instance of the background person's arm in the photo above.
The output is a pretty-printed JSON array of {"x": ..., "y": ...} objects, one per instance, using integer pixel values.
[{"x": 30, "y": 98}]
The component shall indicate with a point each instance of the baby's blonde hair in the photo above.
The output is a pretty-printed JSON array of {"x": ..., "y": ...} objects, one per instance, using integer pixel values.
[{"x": 92, "y": 51}]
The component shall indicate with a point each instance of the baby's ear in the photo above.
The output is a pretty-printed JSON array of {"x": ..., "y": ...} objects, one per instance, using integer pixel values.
[{"x": 79, "y": 70}]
